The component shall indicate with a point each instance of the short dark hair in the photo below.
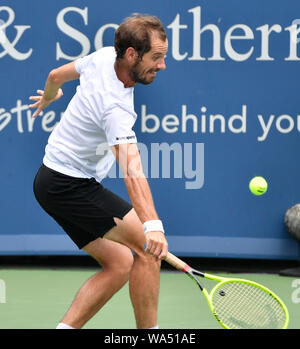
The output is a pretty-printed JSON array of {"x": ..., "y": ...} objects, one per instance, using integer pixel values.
[{"x": 136, "y": 31}]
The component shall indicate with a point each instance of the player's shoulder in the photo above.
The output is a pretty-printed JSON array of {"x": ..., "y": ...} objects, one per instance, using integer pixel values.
[
  {"x": 96, "y": 60},
  {"x": 105, "y": 53}
]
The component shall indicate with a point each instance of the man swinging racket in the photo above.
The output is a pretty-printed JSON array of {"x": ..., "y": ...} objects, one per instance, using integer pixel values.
[{"x": 68, "y": 184}]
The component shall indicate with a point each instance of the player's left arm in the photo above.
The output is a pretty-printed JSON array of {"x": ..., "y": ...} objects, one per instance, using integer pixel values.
[{"x": 52, "y": 90}]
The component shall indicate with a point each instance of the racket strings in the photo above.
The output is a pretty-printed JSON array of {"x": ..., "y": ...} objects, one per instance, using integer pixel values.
[{"x": 244, "y": 306}]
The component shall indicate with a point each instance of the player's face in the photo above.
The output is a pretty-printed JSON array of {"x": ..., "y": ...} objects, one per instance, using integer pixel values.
[{"x": 144, "y": 70}]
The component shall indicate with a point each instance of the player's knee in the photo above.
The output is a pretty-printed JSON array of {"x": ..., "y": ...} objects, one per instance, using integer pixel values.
[
  {"x": 120, "y": 266},
  {"x": 147, "y": 259}
]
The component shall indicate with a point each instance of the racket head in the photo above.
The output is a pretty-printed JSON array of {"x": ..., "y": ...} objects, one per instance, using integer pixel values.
[{"x": 244, "y": 304}]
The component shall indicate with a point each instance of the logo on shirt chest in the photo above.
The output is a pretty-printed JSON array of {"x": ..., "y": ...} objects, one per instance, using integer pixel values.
[{"x": 125, "y": 138}]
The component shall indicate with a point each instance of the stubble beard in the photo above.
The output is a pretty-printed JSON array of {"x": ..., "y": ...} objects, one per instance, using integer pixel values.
[{"x": 139, "y": 77}]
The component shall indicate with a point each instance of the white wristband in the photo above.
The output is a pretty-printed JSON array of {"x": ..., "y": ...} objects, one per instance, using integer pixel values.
[{"x": 155, "y": 225}]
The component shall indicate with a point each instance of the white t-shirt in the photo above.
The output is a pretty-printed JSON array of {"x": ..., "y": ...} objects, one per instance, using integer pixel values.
[{"x": 101, "y": 114}]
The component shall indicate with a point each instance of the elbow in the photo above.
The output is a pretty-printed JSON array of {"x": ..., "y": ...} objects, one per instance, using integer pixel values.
[
  {"x": 54, "y": 77},
  {"x": 133, "y": 173},
  {"x": 128, "y": 157},
  {"x": 134, "y": 181}
]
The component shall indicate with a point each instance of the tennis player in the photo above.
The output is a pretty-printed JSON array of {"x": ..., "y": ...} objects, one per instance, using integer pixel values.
[{"x": 96, "y": 129}]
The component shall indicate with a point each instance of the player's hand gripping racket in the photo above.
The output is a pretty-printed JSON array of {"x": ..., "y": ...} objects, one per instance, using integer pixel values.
[{"x": 238, "y": 303}]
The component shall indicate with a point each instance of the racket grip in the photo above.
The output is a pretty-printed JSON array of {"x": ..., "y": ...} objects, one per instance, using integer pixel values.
[{"x": 177, "y": 263}]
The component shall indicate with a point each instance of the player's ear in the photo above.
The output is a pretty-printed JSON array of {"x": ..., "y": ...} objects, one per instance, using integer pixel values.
[{"x": 131, "y": 55}]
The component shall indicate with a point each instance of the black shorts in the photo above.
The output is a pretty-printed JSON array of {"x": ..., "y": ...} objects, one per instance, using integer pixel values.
[{"x": 81, "y": 206}]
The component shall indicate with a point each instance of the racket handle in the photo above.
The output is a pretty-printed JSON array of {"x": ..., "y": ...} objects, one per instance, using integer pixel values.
[{"x": 177, "y": 263}]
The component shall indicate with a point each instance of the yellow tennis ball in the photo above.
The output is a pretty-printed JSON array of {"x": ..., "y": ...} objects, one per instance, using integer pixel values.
[{"x": 258, "y": 185}]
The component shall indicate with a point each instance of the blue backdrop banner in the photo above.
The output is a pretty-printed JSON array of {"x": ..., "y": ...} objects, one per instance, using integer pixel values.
[{"x": 226, "y": 109}]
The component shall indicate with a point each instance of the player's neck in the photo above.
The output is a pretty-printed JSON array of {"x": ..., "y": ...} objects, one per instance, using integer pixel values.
[{"x": 123, "y": 74}]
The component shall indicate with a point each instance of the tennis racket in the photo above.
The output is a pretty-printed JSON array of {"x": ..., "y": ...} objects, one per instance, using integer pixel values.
[{"x": 238, "y": 303}]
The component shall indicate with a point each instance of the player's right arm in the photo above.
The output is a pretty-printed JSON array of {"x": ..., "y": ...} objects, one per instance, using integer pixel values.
[
  {"x": 140, "y": 195},
  {"x": 52, "y": 90}
]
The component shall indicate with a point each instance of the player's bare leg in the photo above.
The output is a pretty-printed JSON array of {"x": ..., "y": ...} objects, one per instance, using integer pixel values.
[
  {"x": 144, "y": 290},
  {"x": 116, "y": 261},
  {"x": 145, "y": 273}
]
